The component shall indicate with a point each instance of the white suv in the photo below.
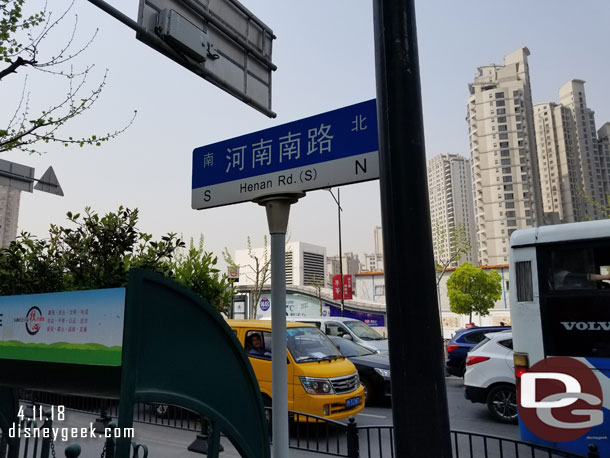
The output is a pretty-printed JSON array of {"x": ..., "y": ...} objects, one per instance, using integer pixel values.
[{"x": 490, "y": 376}]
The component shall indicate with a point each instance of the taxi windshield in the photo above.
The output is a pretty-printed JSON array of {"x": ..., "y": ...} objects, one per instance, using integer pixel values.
[{"x": 309, "y": 344}]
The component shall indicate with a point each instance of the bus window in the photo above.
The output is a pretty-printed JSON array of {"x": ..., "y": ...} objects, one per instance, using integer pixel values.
[{"x": 578, "y": 268}]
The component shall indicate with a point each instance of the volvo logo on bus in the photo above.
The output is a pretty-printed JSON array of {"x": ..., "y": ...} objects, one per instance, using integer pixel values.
[
  {"x": 560, "y": 399},
  {"x": 586, "y": 325}
]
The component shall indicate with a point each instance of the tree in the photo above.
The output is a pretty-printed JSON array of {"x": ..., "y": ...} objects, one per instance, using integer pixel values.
[
  {"x": 472, "y": 290},
  {"x": 21, "y": 48},
  {"x": 459, "y": 243},
  {"x": 602, "y": 207},
  {"x": 98, "y": 251},
  {"x": 196, "y": 270},
  {"x": 258, "y": 271},
  {"x": 318, "y": 283}
]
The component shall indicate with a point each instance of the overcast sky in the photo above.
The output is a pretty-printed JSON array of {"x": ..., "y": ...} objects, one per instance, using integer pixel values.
[{"x": 325, "y": 57}]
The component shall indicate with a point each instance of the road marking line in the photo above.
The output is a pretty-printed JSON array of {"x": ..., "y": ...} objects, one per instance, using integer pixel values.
[{"x": 369, "y": 415}]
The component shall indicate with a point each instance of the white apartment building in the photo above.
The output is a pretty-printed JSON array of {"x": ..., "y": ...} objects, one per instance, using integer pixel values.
[
  {"x": 503, "y": 153},
  {"x": 373, "y": 262},
  {"x": 305, "y": 264},
  {"x": 572, "y": 169},
  {"x": 603, "y": 139},
  {"x": 451, "y": 207},
  {"x": 9, "y": 214},
  {"x": 559, "y": 170}
]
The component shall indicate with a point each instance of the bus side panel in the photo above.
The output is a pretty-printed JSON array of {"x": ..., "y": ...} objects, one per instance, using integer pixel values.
[
  {"x": 527, "y": 337},
  {"x": 598, "y": 435},
  {"x": 525, "y": 316}
]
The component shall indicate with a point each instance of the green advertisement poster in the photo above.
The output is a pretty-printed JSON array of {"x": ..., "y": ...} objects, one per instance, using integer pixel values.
[{"x": 79, "y": 327}]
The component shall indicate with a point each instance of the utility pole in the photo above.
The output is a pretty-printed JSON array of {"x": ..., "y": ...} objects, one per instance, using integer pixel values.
[
  {"x": 420, "y": 414},
  {"x": 339, "y": 210}
]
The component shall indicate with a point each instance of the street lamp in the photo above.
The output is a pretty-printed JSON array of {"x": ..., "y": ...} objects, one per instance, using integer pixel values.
[{"x": 339, "y": 210}]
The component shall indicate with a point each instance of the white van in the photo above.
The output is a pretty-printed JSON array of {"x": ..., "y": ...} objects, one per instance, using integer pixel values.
[{"x": 349, "y": 328}]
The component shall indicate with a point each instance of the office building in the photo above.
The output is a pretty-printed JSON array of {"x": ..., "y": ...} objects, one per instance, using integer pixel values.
[{"x": 305, "y": 265}]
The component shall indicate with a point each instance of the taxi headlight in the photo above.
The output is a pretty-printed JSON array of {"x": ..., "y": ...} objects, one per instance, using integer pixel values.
[{"x": 317, "y": 385}]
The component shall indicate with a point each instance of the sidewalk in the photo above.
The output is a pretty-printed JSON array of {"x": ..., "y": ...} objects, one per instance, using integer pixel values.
[{"x": 162, "y": 441}]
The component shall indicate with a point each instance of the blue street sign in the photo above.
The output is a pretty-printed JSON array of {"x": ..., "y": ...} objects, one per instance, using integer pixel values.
[{"x": 329, "y": 149}]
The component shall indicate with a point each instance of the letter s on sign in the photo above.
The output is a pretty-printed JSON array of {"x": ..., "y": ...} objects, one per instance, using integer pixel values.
[
  {"x": 207, "y": 195},
  {"x": 528, "y": 389}
]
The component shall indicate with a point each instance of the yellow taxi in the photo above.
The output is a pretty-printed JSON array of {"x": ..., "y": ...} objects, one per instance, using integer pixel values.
[{"x": 321, "y": 381}]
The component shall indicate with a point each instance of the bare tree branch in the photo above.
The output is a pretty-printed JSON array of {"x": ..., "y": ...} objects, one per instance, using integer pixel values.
[{"x": 23, "y": 132}]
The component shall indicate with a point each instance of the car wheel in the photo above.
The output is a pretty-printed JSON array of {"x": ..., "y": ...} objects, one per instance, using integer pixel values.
[
  {"x": 369, "y": 393},
  {"x": 463, "y": 369},
  {"x": 161, "y": 410},
  {"x": 502, "y": 403}
]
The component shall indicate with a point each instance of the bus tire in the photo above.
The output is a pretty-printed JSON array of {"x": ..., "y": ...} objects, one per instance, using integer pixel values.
[{"x": 502, "y": 403}]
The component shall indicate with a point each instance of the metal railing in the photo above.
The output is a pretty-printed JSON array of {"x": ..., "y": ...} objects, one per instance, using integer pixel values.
[
  {"x": 35, "y": 444},
  {"x": 30, "y": 446},
  {"x": 316, "y": 434},
  {"x": 157, "y": 414}
]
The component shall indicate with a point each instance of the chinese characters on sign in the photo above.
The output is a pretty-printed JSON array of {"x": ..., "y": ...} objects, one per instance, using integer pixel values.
[
  {"x": 329, "y": 149},
  {"x": 61, "y": 320},
  {"x": 260, "y": 154},
  {"x": 347, "y": 286}
]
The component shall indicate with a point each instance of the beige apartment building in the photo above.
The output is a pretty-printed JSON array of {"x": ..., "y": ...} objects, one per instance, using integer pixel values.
[
  {"x": 573, "y": 170},
  {"x": 451, "y": 207},
  {"x": 603, "y": 138},
  {"x": 504, "y": 160}
]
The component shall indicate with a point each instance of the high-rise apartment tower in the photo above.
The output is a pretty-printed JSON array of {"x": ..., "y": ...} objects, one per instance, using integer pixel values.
[
  {"x": 504, "y": 161},
  {"x": 573, "y": 168},
  {"x": 451, "y": 209}
]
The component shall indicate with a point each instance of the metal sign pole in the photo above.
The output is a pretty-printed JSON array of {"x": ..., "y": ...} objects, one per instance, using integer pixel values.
[
  {"x": 278, "y": 209},
  {"x": 340, "y": 254},
  {"x": 420, "y": 402}
]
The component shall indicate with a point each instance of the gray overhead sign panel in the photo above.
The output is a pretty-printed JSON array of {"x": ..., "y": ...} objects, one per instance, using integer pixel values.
[
  {"x": 16, "y": 176},
  {"x": 219, "y": 40}
]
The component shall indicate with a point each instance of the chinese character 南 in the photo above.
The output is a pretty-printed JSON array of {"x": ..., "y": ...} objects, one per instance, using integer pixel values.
[
  {"x": 208, "y": 160},
  {"x": 290, "y": 146},
  {"x": 319, "y": 140},
  {"x": 359, "y": 123},
  {"x": 261, "y": 153},
  {"x": 235, "y": 158}
]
